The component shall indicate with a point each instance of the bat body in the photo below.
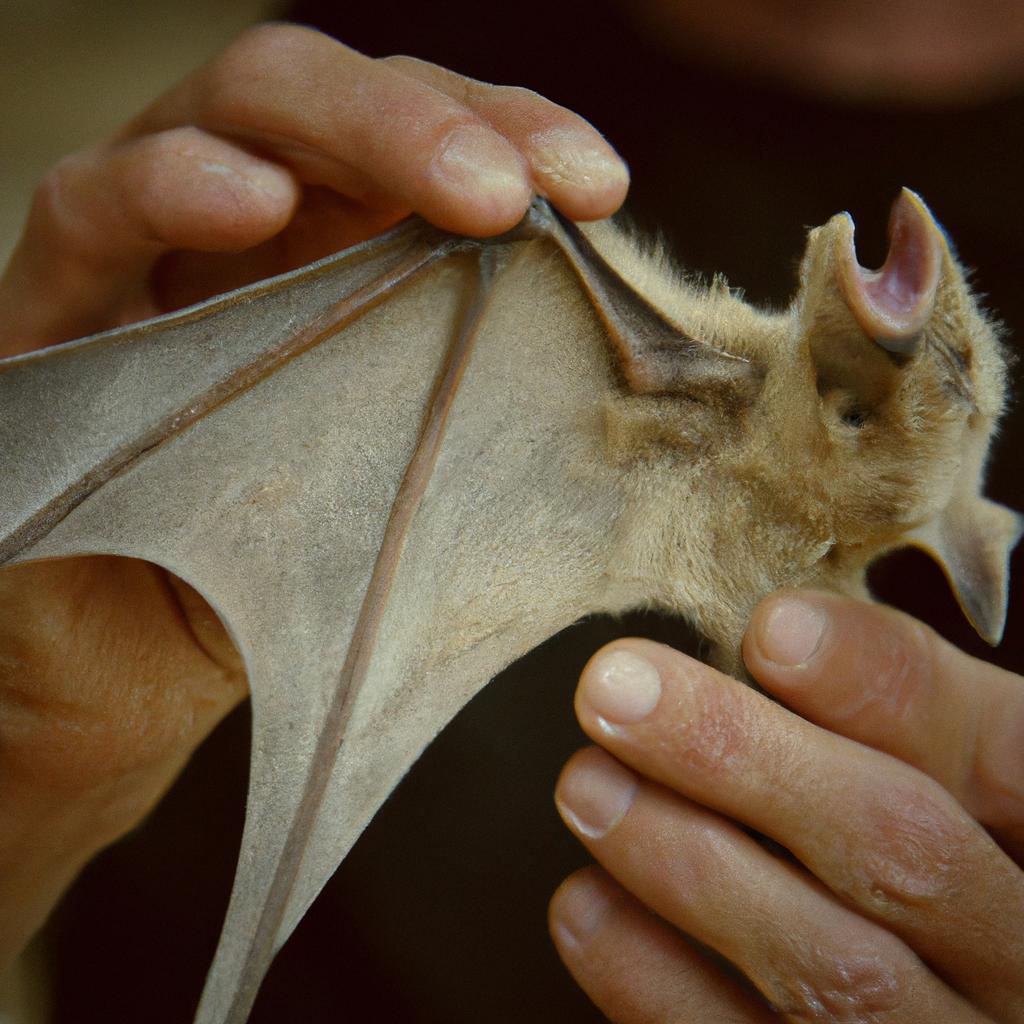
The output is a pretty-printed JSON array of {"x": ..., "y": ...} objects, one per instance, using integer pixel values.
[{"x": 395, "y": 471}]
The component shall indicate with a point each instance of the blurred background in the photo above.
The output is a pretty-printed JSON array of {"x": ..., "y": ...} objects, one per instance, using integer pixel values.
[
  {"x": 744, "y": 122},
  {"x": 71, "y": 71}
]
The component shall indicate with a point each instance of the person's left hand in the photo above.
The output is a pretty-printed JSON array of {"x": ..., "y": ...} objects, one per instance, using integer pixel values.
[
  {"x": 288, "y": 145},
  {"x": 899, "y": 794}
]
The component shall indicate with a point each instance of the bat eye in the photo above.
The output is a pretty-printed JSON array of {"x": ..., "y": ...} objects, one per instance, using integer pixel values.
[
  {"x": 845, "y": 406},
  {"x": 854, "y": 417}
]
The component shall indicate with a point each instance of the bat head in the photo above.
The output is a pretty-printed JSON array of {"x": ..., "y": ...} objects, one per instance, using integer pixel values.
[
  {"x": 870, "y": 431},
  {"x": 910, "y": 380}
]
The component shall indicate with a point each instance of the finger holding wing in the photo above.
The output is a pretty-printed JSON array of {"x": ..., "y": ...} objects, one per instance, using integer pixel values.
[{"x": 285, "y": 147}]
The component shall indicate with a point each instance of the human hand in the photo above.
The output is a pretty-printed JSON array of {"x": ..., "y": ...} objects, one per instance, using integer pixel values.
[
  {"x": 899, "y": 793},
  {"x": 284, "y": 148}
]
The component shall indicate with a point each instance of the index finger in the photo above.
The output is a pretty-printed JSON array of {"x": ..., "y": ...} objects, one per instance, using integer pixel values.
[{"x": 465, "y": 156}]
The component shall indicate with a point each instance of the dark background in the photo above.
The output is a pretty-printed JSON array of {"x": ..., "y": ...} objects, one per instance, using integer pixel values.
[{"x": 439, "y": 912}]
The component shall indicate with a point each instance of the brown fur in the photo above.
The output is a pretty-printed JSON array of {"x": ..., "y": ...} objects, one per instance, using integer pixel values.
[{"x": 847, "y": 451}]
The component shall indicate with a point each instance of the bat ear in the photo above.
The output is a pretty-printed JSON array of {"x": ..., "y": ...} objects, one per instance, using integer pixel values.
[
  {"x": 971, "y": 540},
  {"x": 862, "y": 326},
  {"x": 894, "y": 304}
]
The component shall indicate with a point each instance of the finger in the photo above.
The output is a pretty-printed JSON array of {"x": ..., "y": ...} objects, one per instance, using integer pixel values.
[
  {"x": 885, "y": 679},
  {"x": 569, "y": 161},
  {"x": 324, "y": 223},
  {"x": 880, "y": 834},
  {"x": 103, "y": 216},
  {"x": 810, "y": 957},
  {"x": 635, "y": 968},
  {"x": 356, "y": 125}
]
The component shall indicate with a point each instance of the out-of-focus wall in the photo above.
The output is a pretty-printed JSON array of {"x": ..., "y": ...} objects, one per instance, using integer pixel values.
[{"x": 73, "y": 70}]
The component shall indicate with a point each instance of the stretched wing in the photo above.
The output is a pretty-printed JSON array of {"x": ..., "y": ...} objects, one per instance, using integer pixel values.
[{"x": 385, "y": 501}]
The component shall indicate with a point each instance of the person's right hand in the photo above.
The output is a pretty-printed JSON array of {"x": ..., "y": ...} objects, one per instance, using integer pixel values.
[
  {"x": 284, "y": 148},
  {"x": 889, "y": 780}
]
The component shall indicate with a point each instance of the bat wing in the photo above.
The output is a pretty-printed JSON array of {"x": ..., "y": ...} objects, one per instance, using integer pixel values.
[{"x": 379, "y": 472}]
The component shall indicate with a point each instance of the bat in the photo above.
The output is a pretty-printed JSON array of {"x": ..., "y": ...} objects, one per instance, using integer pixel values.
[{"x": 394, "y": 471}]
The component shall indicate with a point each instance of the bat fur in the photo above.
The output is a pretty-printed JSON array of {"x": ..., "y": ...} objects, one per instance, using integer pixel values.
[
  {"x": 850, "y": 450},
  {"x": 553, "y": 473}
]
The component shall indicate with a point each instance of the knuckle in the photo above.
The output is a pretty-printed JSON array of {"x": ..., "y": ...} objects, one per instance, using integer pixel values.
[
  {"x": 226, "y": 90},
  {"x": 140, "y": 185},
  {"x": 897, "y": 674},
  {"x": 51, "y": 197},
  {"x": 221, "y": 207},
  {"x": 271, "y": 42},
  {"x": 918, "y": 849},
  {"x": 451, "y": 122},
  {"x": 517, "y": 95},
  {"x": 998, "y": 765},
  {"x": 146, "y": 164},
  {"x": 912, "y": 646},
  {"x": 62, "y": 213},
  {"x": 52, "y": 735},
  {"x": 860, "y": 983},
  {"x": 708, "y": 850},
  {"x": 459, "y": 87},
  {"x": 484, "y": 93},
  {"x": 456, "y": 132},
  {"x": 890, "y": 674},
  {"x": 119, "y": 711}
]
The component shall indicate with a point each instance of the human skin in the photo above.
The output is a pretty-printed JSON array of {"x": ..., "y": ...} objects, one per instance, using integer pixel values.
[
  {"x": 289, "y": 146},
  {"x": 892, "y": 771}
]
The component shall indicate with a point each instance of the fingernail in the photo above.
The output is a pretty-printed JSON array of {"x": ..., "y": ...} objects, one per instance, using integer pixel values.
[
  {"x": 791, "y": 635},
  {"x": 595, "y": 794},
  {"x": 478, "y": 160},
  {"x": 621, "y": 686},
  {"x": 571, "y": 156},
  {"x": 580, "y": 910}
]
